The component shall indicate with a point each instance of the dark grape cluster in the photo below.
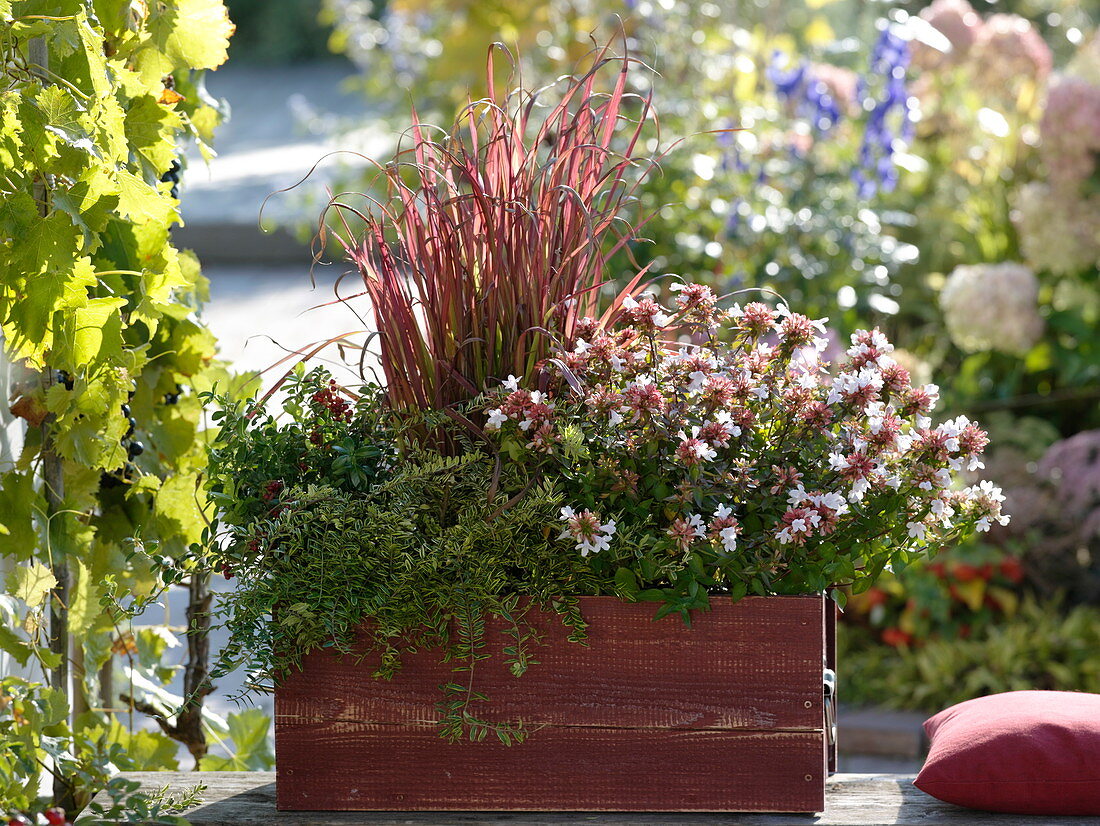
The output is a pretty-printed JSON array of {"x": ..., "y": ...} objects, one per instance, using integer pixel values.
[
  {"x": 173, "y": 176},
  {"x": 134, "y": 448}
]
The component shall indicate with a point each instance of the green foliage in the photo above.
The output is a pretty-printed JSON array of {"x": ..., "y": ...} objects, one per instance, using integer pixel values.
[
  {"x": 251, "y": 750},
  {"x": 1041, "y": 647},
  {"x": 99, "y": 310},
  {"x": 277, "y": 32},
  {"x": 34, "y": 726},
  {"x": 424, "y": 554}
]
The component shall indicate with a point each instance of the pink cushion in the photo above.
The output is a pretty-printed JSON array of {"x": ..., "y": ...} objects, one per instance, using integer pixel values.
[{"x": 1025, "y": 752}]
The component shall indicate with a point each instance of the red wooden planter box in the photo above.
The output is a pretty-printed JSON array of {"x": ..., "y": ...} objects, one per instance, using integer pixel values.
[{"x": 726, "y": 715}]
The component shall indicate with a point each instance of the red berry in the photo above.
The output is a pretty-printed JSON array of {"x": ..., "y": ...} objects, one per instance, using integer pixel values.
[
  {"x": 227, "y": 571},
  {"x": 56, "y": 816},
  {"x": 18, "y": 820}
]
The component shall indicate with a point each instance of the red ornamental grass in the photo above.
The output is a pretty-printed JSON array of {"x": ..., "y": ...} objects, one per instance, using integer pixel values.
[{"x": 495, "y": 238}]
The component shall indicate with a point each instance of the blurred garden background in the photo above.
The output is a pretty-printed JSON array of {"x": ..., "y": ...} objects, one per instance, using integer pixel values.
[{"x": 930, "y": 169}]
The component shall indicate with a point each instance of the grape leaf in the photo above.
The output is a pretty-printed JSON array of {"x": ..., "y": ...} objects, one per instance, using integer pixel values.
[
  {"x": 10, "y": 132},
  {"x": 142, "y": 202},
  {"x": 31, "y": 582},
  {"x": 18, "y": 214},
  {"x": 88, "y": 202},
  {"x": 11, "y": 644},
  {"x": 18, "y": 501},
  {"x": 176, "y": 503},
  {"x": 97, "y": 330},
  {"x": 61, "y": 113},
  {"x": 195, "y": 33},
  {"x": 149, "y": 128},
  {"x": 83, "y": 599}
]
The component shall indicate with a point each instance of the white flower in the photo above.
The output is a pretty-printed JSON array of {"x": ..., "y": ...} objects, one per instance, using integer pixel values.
[
  {"x": 982, "y": 525},
  {"x": 942, "y": 511},
  {"x": 615, "y": 417},
  {"x": 629, "y": 303},
  {"x": 696, "y": 521},
  {"x": 722, "y": 511},
  {"x": 511, "y": 383},
  {"x": 617, "y": 363},
  {"x": 838, "y": 462},
  {"x": 582, "y": 347},
  {"x": 859, "y": 489},
  {"x": 496, "y": 419},
  {"x": 698, "y": 381},
  {"x": 833, "y": 501},
  {"x": 917, "y": 530},
  {"x": 796, "y": 496},
  {"x": 729, "y": 539}
]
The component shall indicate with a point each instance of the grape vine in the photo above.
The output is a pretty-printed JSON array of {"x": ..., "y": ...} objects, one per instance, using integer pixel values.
[{"x": 100, "y": 317}]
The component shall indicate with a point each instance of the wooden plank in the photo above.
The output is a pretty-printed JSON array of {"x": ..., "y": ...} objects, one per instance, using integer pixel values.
[
  {"x": 754, "y": 665},
  {"x": 248, "y": 799},
  {"x": 830, "y": 663},
  {"x": 366, "y": 767}
]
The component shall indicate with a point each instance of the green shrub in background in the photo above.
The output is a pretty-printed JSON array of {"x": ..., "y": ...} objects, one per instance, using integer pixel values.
[
  {"x": 274, "y": 32},
  {"x": 1041, "y": 647},
  {"x": 100, "y": 319}
]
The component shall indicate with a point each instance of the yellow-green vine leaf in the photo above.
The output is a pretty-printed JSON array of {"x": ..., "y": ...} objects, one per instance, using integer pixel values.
[
  {"x": 142, "y": 202},
  {"x": 18, "y": 501},
  {"x": 195, "y": 33},
  {"x": 31, "y": 582},
  {"x": 149, "y": 128}
]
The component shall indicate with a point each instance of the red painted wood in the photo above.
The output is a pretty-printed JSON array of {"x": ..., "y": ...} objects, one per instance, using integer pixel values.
[
  {"x": 359, "y": 766},
  {"x": 752, "y": 665},
  {"x": 722, "y": 716}
]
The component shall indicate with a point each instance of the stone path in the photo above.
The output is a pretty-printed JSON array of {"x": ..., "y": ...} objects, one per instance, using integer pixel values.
[{"x": 284, "y": 121}]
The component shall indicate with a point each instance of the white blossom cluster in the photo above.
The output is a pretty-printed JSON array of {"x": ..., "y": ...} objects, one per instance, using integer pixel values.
[{"x": 992, "y": 307}]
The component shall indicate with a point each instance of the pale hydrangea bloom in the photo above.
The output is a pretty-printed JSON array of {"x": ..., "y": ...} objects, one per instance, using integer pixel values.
[
  {"x": 1070, "y": 131},
  {"x": 1058, "y": 234},
  {"x": 958, "y": 22},
  {"x": 992, "y": 307},
  {"x": 1009, "y": 49},
  {"x": 1086, "y": 63}
]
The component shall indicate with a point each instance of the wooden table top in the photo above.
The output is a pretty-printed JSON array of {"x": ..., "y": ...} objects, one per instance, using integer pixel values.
[{"x": 246, "y": 798}]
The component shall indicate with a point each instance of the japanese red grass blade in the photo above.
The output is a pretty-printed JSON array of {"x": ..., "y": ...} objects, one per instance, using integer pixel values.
[{"x": 494, "y": 239}]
